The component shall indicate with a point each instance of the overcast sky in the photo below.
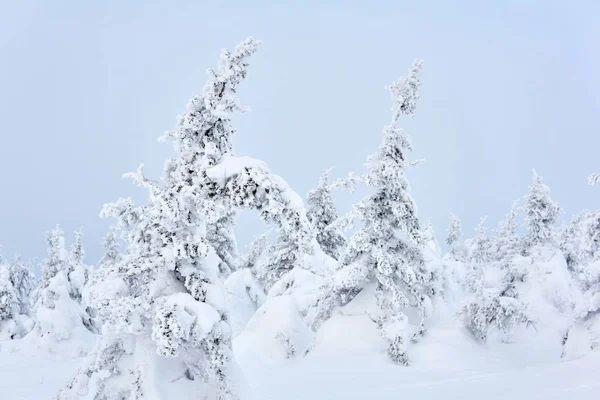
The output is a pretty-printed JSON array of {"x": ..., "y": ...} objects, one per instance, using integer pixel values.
[{"x": 87, "y": 87}]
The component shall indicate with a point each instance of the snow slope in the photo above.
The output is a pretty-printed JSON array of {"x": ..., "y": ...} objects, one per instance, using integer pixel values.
[{"x": 446, "y": 364}]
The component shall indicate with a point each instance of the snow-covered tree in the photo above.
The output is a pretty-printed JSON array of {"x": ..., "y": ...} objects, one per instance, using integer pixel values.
[
  {"x": 494, "y": 300},
  {"x": 541, "y": 214},
  {"x": 506, "y": 242},
  {"x": 112, "y": 253},
  {"x": 480, "y": 245},
  {"x": 454, "y": 239},
  {"x": 580, "y": 244},
  {"x": 322, "y": 213},
  {"x": 59, "y": 314},
  {"x": 9, "y": 307},
  {"x": 24, "y": 281},
  {"x": 386, "y": 249},
  {"x": 489, "y": 309},
  {"x": 78, "y": 273},
  {"x": 166, "y": 293},
  {"x": 17, "y": 282}
]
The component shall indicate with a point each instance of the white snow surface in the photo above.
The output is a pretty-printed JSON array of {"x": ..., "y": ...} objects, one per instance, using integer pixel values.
[{"x": 447, "y": 364}]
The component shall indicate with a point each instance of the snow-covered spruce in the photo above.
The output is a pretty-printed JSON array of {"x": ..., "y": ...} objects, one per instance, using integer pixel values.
[
  {"x": 580, "y": 243},
  {"x": 386, "y": 249},
  {"x": 17, "y": 283},
  {"x": 61, "y": 320},
  {"x": 506, "y": 243},
  {"x": 162, "y": 303},
  {"x": 167, "y": 290},
  {"x": 492, "y": 302},
  {"x": 454, "y": 239},
  {"x": 322, "y": 213},
  {"x": 478, "y": 249},
  {"x": 541, "y": 214}
]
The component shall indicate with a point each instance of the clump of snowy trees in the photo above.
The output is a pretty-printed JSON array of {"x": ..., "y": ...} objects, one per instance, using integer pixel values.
[{"x": 172, "y": 289}]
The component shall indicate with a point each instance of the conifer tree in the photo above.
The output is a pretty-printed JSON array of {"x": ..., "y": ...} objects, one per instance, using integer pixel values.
[
  {"x": 166, "y": 293},
  {"x": 494, "y": 301},
  {"x": 322, "y": 213},
  {"x": 17, "y": 283},
  {"x": 454, "y": 239},
  {"x": 386, "y": 249},
  {"x": 541, "y": 214},
  {"x": 479, "y": 246},
  {"x": 507, "y": 242},
  {"x": 59, "y": 313},
  {"x": 112, "y": 254}
]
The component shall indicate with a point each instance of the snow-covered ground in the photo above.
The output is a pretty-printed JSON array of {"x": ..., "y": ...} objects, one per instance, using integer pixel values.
[{"x": 446, "y": 364}]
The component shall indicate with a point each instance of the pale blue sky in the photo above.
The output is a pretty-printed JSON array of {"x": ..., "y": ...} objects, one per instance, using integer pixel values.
[{"x": 87, "y": 87}]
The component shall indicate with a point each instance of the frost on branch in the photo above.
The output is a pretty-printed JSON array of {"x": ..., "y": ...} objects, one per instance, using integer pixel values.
[{"x": 246, "y": 183}]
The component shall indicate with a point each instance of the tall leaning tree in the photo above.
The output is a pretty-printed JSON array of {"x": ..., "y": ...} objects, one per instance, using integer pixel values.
[
  {"x": 161, "y": 302},
  {"x": 386, "y": 250}
]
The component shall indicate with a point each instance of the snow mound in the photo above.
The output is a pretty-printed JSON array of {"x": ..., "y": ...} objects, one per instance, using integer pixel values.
[{"x": 276, "y": 332}]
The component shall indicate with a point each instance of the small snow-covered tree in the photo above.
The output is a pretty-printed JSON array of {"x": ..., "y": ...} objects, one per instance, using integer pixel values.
[
  {"x": 322, "y": 213},
  {"x": 454, "y": 239},
  {"x": 478, "y": 251},
  {"x": 386, "y": 249},
  {"x": 479, "y": 246},
  {"x": 541, "y": 214},
  {"x": 494, "y": 301},
  {"x": 59, "y": 314},
  {"x": 78, "y": 273},
  {"x": 488, "y": 309},
  {"x": 506, "y": 242},
  {"x": 16, "y": 285},
  {"x": 24, "y": 281},
  {"x": 9, "y": 307},
  {"x": 112, "y": 254},
  {"x": 580, "y": 244}
]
